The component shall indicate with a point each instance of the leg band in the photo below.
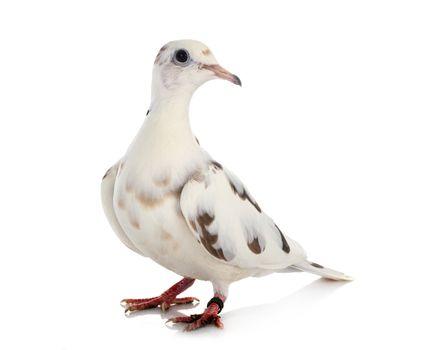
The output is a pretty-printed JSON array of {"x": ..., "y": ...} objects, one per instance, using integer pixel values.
[{"x": 218, "y": 301}]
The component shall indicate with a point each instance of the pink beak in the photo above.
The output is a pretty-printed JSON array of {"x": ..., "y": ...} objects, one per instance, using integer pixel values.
[{"x": 222, "y": 73}]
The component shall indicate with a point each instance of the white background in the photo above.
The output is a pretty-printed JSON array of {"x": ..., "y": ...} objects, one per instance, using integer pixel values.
[{"x": 332, "y": 132}]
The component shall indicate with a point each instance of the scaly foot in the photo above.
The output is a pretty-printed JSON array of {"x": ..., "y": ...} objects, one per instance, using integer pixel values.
[
  {"x": 209, "y": 316},
  {"x": 131, "y": 305},
  {"x": 165, "y": 300}
]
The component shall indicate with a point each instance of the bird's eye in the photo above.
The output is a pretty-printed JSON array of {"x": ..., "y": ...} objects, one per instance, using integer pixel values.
[{"x": 182, "y": 56}]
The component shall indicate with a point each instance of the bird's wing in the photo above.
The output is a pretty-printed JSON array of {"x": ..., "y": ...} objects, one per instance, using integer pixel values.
[
  {"x": 107, "y": 188},
  {"x": 231, "y": 226}
]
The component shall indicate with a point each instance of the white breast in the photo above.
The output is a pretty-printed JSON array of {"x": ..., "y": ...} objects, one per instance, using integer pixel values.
[{"x": 149, "y": 213}]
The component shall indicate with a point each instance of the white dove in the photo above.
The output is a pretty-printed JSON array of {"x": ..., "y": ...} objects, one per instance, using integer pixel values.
[{"x": 169, "y": 200}]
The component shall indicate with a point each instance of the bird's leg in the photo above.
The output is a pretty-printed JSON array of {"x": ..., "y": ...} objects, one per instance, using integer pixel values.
[
  {"x": 165, "y": 300},
  {"x": 209, "y": 316}
]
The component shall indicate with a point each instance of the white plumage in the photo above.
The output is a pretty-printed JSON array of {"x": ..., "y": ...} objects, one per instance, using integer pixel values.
[
  {"x": 167, "y": 199},
  {"x": 248, "y": 238}
]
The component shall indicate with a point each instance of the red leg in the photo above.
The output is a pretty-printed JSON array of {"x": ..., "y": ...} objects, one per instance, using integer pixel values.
[
  {"x": 210, "y": 315},
  {"x": 165, "y": 300}
]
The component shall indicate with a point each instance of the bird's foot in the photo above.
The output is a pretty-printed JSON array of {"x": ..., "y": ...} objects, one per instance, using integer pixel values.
[
  {"x": 209, "y": 316},
  {"x": 164, "y": 301},
  {"x": 132, "y": 305}
]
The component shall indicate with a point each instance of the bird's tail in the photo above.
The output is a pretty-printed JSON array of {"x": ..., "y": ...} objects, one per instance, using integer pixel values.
[{"x": 322, "y": 271}]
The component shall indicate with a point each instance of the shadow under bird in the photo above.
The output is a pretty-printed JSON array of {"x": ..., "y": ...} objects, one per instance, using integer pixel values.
[{"x": 169, "y": 200}]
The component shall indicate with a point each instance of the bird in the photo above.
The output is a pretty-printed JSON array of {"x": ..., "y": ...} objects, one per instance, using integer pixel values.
[{"x": 167, "y": 199}]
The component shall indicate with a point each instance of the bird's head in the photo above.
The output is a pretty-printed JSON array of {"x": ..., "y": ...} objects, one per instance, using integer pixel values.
[{"x": 182, "y": 66}]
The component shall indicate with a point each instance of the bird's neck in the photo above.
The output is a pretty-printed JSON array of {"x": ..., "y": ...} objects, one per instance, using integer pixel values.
[
  {"x": 166, "y": 131},
  {"x": 171, "y": 108},
  {"x": 169, "y": 98},
  {"x": 169, "y": 120},
  {"x": 165, "y": 145}
]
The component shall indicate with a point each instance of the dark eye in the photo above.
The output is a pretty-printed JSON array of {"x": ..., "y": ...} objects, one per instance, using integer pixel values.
[{"x": 182, "y": 56}]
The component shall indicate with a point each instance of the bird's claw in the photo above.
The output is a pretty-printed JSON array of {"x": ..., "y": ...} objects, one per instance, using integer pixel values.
[
  {"x": 196, "y": 321},
  {"x": 132, "y": 305}
]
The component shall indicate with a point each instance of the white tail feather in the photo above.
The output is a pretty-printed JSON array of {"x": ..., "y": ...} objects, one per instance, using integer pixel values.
[{"x": 322, "y": 271}]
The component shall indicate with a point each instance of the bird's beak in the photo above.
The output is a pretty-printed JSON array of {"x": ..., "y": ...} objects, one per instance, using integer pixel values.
[{"x": 222, "y": 73}]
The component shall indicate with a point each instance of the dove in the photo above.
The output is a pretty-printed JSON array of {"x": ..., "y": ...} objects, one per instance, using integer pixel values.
[{"x": 167, "y": 199}]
